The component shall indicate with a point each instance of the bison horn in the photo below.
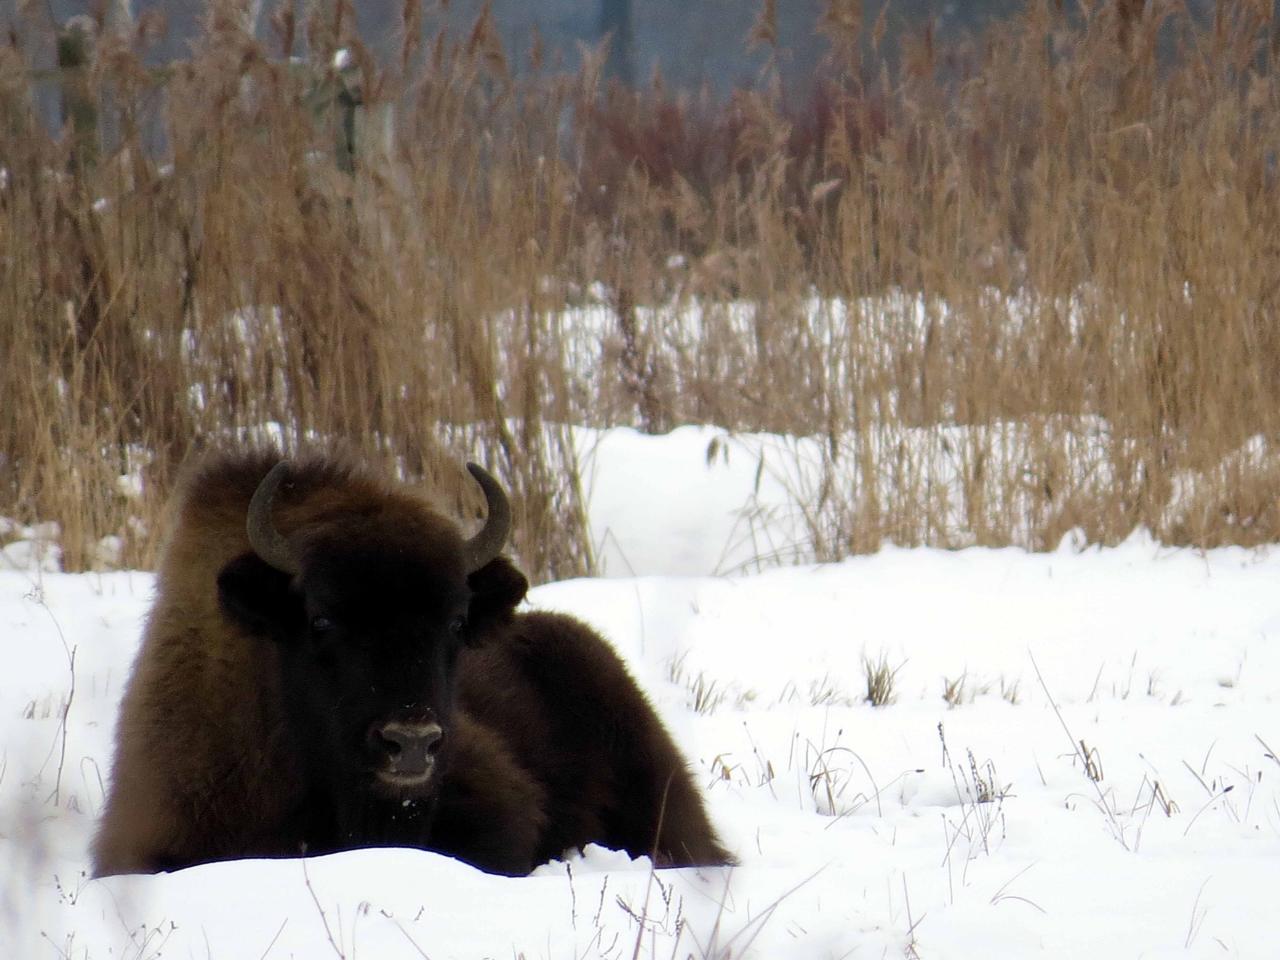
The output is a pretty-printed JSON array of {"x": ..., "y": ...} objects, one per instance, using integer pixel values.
[
  {"x": 488, "y": 543},
  {"x": 266, "y": 540}
]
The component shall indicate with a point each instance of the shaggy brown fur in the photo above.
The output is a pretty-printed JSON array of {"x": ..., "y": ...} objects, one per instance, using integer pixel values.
[{"x": 224, "y": 750}]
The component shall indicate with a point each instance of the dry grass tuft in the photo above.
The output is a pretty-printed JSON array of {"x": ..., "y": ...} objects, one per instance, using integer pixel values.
[{"x": 880, "y": 678}]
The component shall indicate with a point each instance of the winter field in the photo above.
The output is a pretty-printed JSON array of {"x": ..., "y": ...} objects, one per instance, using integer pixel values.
[{"x": 916, "y": 753}]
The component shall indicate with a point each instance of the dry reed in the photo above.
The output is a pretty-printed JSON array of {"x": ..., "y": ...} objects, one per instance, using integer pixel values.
[{"x": 1016, "y": 284}]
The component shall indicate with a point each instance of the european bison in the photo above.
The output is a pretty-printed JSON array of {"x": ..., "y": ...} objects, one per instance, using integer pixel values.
[{"x": 329, "y": 664}]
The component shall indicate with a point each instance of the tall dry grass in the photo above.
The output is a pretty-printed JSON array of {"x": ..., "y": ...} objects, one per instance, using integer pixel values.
[{"x": 1019, "y": 283}]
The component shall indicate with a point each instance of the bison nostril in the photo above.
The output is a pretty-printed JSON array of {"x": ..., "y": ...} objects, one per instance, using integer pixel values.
[{"x": 379, "y": 742}]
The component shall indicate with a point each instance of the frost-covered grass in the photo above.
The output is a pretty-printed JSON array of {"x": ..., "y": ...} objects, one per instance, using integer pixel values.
[
  {"x": 760, "y": 500},
  {"x": 1073, "y": 755}
]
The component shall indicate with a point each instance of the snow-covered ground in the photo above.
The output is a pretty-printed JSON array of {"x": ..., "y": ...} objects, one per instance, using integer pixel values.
[{"x": 1076, "y": 760}]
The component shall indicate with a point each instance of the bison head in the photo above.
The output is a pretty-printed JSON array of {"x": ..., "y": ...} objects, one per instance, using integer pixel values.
[{"x": 368, "y": 610}]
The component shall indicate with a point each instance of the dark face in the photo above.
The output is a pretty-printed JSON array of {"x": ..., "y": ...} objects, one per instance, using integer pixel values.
[
  {"x": 370, "y": 635},
  {"x": 373, "y": 671}
]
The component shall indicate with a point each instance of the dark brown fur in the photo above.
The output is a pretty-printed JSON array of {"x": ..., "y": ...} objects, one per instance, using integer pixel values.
[{"x": 549, "y": 744}]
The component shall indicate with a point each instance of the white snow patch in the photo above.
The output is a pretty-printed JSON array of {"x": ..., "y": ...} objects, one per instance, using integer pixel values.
[{"x": 1106, "y": 784}]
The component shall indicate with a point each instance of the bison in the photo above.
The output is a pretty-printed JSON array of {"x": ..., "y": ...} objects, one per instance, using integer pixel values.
[{"x": 329, "y": 664}]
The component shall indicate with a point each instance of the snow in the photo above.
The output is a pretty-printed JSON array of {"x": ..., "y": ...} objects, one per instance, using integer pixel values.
[{"x": 1103, "y": 782}]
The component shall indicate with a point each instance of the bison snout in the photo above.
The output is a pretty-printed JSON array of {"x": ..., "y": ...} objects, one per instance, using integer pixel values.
[{"x": 406, "y": 748}]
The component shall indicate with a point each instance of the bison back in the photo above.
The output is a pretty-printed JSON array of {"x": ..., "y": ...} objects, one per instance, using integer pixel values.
[{"x": 569, "y": 714}]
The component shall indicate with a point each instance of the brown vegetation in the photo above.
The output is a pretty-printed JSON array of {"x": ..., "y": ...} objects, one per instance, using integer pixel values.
[{"x": 1050, "y": 224}]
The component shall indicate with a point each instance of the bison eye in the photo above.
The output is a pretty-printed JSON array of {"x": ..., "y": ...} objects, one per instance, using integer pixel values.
[
  {"x": 321, "y": 625},
  {"x": 457, "y": 625}
]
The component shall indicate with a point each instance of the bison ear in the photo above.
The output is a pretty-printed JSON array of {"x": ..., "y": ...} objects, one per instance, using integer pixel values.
[
  {"x": 496, "y": 589},
  {"x": 258, "y": 596}
]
